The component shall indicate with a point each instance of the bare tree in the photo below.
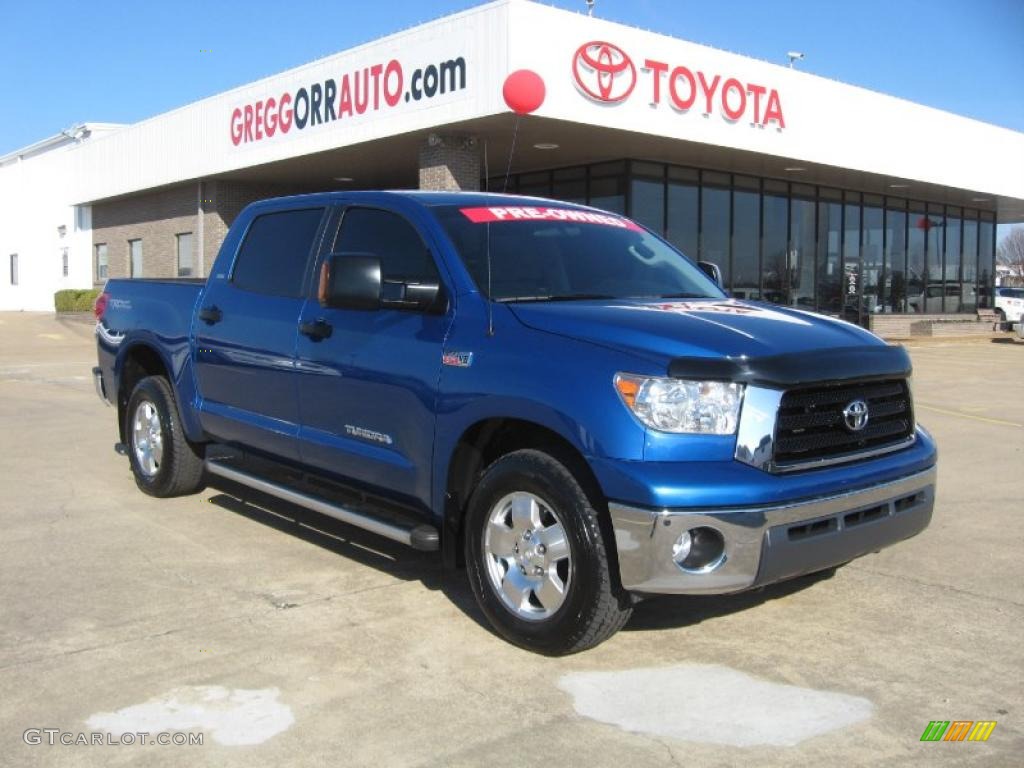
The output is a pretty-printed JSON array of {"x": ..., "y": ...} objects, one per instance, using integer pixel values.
[{"x": 1011, "y": 251}]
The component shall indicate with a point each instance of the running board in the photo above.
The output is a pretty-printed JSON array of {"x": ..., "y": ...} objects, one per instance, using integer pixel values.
[{"x": 422, "y": 537}]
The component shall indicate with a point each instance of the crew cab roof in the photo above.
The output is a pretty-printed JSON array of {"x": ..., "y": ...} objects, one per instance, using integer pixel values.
[{"x": 422, "y": 197}]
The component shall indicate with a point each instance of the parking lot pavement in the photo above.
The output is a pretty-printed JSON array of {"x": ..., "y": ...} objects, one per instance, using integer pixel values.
[{"x": 286, "y": 638}]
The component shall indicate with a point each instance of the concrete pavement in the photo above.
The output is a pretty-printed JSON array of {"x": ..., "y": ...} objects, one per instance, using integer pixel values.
[{"x": 296, "y": 640}]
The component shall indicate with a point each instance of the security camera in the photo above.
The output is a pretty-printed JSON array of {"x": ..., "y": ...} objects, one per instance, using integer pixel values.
[{"x": 794, "y": 56}]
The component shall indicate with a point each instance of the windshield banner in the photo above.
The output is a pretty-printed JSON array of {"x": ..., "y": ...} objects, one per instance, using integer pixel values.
[{"x": 487, "y": 215}]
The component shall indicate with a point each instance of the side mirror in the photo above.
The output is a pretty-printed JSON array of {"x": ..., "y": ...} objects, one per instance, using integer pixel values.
[
  {"x": 712, "y": 270},
  {"x": 350, "y": 281},
  {"x": 353, "y": 281},
  {"x": 425, "y": 297}
]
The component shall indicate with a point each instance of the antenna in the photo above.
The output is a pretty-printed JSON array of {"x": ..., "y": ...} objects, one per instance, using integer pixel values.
[
  {"x": 490, "y": 301},
  {"x": 511, "y": 152},
  {"x": 504, "y": 189},
  {"x": 590, "y": 7},
  {"x": 487, "y": 246}
]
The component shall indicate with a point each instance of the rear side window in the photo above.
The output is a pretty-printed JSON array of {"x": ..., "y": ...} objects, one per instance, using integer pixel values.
[
  {"x": 392, "y": 239},
  {"x": 275, "y": 253}
]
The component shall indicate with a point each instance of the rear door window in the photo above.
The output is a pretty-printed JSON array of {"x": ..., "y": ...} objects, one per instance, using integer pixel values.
[{"x": 275, "y": 254}]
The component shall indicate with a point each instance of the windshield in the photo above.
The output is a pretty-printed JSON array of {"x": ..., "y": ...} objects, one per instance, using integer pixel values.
[
  {"x": 557, "y": 254},
  {"x": 1012, "y": 293}
]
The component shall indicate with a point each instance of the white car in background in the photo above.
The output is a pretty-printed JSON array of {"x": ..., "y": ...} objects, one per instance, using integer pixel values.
[{"x": 1009, "y": 304}]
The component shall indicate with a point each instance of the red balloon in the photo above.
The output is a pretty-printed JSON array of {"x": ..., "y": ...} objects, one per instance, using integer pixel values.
[{"x": 523, "y": 91}]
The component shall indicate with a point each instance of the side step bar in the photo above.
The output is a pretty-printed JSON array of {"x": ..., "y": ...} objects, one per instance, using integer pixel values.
[{"x": 421, "y": 537}]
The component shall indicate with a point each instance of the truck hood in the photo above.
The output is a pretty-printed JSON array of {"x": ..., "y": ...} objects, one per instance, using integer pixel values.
[{"x": 720, "y": 329}]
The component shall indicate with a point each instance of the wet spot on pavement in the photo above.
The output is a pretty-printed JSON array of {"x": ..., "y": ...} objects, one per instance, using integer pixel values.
[
  {"x": 711, "y": 704},
  {"x": 232, "y": 717}
]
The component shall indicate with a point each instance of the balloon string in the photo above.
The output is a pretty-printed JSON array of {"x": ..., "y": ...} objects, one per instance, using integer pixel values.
[{"x": 512, "y": 151}]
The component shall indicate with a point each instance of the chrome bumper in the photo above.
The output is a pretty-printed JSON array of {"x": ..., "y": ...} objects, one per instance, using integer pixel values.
[
  {"x": 769, "y": 544},
  {"x": 101, "y": 388}
]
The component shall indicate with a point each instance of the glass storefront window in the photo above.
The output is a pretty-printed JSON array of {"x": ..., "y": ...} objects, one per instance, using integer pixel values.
[
  {"x": 935, "y": 223},
  {"x": 714, "y": 224},
  {"x": 746, "y": 238},
  {"x": 536, "y": 184},
  {"x": 969, "y": 295},
  {"x": 570, "y": 184},
  {"x": 852, "y": 275},
  {"x": 682, "y": 226},
  {"x": 916, "y": 274},
  {"x": 777, "y": 266},
  {"x": 647, "y": 196},
  {"x": 986, "y": 260},
  {"x": 871, "y": 260},
  {"x": 836, "y": 251},
  {"x": 801, "y": 254},
  {"x": 952, "y": 261},
  {"x": 609, "y": 193},
  {"x": 830, "y": 278},
  {"x": 894, "y": 284}
]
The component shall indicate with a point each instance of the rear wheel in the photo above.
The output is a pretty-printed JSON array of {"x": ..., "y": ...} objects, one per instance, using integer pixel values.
[
  {"x": 163, "y": 461},
  {"x": 537, "y": 558}
]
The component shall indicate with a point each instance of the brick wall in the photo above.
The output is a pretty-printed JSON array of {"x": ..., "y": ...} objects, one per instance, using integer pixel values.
[
  {"x": 903, "y": 326},
  {"x": 155, "y": 218},
  {"x": 450, "y": 163}
]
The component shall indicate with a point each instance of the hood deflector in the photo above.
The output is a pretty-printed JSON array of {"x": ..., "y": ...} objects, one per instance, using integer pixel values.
[{"x": 798, "y": 368}]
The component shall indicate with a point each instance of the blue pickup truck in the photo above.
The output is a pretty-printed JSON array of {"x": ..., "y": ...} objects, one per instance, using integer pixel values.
[{"x": 548, "y": 395}]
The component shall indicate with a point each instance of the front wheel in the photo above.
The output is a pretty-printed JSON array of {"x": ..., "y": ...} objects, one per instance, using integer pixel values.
[
  {"x": 163, "y": 461},
  {"x": 537, "y": 559}
]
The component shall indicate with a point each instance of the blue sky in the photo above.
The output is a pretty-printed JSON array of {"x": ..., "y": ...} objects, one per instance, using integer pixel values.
[{"x": 64, "y": 62}]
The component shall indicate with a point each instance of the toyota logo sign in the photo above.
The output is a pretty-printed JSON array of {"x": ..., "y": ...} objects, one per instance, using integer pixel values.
[
  {"x": 855, "y": 414},
  {"x": 604, "y": 72}
]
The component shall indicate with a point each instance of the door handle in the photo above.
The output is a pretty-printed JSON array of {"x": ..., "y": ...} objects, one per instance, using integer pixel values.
[
  {"x": 210, "y": 314},
  {"x": 317, "y": 331}
]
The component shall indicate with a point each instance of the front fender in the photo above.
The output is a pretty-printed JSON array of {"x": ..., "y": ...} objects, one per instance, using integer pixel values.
[{"x": 561, "y": 384}]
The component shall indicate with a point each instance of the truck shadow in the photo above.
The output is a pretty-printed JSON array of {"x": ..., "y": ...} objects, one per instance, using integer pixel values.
[
  {"x": 671, "y": 611},
  {"x": 401, "y": 562},
  {"x": 347, "y": 541}
]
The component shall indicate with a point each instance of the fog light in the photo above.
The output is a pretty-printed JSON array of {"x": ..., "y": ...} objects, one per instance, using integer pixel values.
[
  {"x": 699, "y": 550},
  {"x": 681, "y": 549}
]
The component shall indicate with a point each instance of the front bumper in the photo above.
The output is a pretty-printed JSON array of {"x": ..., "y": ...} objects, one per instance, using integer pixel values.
[{"x": 763, "y": 545}]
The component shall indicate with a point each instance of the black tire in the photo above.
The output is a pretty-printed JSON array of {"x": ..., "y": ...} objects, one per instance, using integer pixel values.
[
  {"x": 1002, "y": 318},
  {"x": 179, "y": 470},
  {"x": 594, "y": 608}
]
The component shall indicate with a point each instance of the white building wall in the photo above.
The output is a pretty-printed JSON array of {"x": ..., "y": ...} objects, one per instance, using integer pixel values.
[{"x": 35, "y": 201}]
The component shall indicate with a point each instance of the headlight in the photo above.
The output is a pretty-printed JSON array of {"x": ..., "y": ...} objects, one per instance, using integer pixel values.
[{"x": 678, "y": 405}]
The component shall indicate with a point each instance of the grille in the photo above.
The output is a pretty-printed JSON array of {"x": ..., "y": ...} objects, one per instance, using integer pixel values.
[{"x": 811, "y": 426}]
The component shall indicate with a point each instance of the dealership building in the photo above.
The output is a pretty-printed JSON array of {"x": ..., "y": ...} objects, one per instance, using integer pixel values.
[{"x": 805, "y": 191}]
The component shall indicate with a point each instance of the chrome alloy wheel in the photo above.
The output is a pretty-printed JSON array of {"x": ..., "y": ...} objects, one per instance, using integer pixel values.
[
  {"x": 527, "y": 556},
  {"x": 147, "y": 438}
]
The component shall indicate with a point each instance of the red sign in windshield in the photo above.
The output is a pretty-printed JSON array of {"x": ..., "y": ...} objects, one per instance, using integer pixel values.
[{"x": 490, "y": 214}]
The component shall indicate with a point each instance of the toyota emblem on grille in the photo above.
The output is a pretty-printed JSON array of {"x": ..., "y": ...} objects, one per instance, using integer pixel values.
[{"x": 855, "y": 414}]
